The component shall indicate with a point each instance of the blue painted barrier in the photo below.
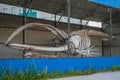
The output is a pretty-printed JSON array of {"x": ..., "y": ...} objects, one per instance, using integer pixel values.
[{"x": 61, "y": 64}]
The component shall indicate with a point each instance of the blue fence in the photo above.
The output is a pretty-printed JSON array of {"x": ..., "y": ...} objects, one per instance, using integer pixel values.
[{"x": 61, "y": 64}]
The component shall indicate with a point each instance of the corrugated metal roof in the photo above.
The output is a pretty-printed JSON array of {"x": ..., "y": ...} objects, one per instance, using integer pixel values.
[{"x": 82, "y": 9}]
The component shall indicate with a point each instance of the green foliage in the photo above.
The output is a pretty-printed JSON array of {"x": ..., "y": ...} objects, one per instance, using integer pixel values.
[
  {"x": 56, "y": 74},
  {"x": 114, "y": 68},
  {"x": 29, "y": 74},
  {"x": 33, "y": 74},
  {"x": 44, "y": 73},
  {"x": 7, "y": 73}
]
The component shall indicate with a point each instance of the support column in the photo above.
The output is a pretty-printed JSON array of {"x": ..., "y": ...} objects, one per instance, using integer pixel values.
[
  {"x": 69, "y": 27},
  {"x": 110, "y": 30},
  {"x": 55, "y": 24},
  {"x": 80, "y": 28},
  {"x": 102, "y": 43},
  {"x": 24, "y": 22}
]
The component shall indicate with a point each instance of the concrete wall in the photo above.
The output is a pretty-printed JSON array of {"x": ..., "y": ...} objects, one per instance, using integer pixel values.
[{"x": 36, "y": 36}]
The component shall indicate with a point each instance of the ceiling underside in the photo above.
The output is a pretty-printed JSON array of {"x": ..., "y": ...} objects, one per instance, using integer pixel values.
[{"x": 81, "y": 9}]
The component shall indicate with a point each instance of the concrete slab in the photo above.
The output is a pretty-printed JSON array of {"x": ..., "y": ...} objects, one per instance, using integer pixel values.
[{"x": 97, "y": 76}]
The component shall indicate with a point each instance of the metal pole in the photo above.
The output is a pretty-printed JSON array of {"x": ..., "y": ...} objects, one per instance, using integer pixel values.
[
  {"x": 103, "y": 48},
  {"x": 102, "y": 42},
  {"x": 30, "y": 7},
  {"x": 24, "y": 22},
  {"x": 80, "y": 24},
  {"x": 55, "y": 27},
  {"x": 110, "y": 9},
  {"x": 25, "y": 13},
  {"x": 59, "y": 19},
  {"x": 55, "y": 21},
  {"x": 68, "y": 27}
]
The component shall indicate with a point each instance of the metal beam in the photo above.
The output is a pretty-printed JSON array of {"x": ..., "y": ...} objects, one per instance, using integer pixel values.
[
  {"x": 117, "y": 34},
  {"x": 43, "y": 5},
  {"x": 102, "y": 43},
  {"x": 79, "y": 8},
  {"x": 80, "y": 27},
  {"x": 110, "y": 30},
  {"x": 113, "y": 17},
  {"x": 106, "y": 27},
  {"x": 69, "y": 1},
  {"x": 55, "y": 27},
  {"x": 55, "y": 21},
  {"x": 30, "y": 7},
  {"x": 87, "y": 22},
  {"x": 63, "y": 11},
  {"x": 59, "y": 19},
  {"x": 24, "y": 22},
  {"x": 82, "y": 18}
]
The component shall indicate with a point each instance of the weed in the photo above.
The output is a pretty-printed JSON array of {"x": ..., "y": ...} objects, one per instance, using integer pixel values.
[{"x": 33, "y": 74}]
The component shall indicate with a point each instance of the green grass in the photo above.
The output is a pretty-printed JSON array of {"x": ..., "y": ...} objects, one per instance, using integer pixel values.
[{"x": 33, "y": 74}]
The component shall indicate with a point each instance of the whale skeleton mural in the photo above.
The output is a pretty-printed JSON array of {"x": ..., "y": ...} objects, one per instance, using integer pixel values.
[{"x": 80, "y": 42}]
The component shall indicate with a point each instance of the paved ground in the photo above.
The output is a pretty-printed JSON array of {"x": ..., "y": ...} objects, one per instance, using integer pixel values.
[{"x": 98, "y": 76}]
